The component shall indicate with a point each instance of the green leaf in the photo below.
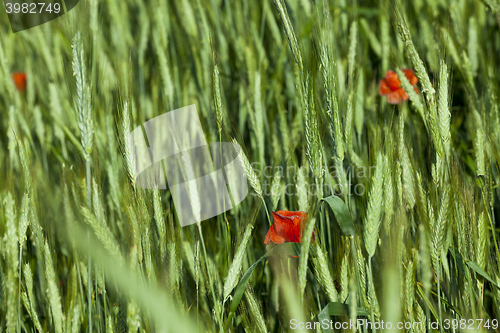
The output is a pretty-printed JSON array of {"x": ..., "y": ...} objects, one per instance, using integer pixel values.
[
  {"x": 290, "y": 249},
  {"x": 342, "y": 214},
  {"x": 427, "y": 301},
  {"x": 338, "y": 309},
  {"x": 481, "y": 272},
  {"x": 240, "y": 288}
]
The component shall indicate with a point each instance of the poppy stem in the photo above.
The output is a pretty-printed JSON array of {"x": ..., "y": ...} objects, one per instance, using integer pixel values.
[{"x": 267, "y": 212}]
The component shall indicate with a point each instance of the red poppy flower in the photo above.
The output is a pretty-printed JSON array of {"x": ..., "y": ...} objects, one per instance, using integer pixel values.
[
  {"x": 287, "y": 227},
  {"x": 390, "y": 86},
  {"x": 19, "y": 79}
]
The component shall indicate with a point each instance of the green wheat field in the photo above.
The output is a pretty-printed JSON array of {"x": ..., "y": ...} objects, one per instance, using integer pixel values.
[{"x": 402, "y": 199}]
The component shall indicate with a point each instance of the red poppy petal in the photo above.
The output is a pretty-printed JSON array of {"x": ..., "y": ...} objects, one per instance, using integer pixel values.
[
  {"x": 285, "y": 227},
  {"x": 272, "y": 236},
  {"x": 392, "y": 80},
  {"x": 277, "y": 239},
  {"x": 410, "y": 76},
  {"x": 297, "y": 229},
  {"x": 403, "y": 94},
  {"x": 19, "y": 79},
  {"x": 270, "y": 232},
  {"x": 383, "y": 88},
  {"x": 288, "y": 213},
  {"x": 397, "y": 96},
  {"x": 280, "y": 215},
  {"x": 298, "y": 224},
  {"x": 394, "y": 98}
]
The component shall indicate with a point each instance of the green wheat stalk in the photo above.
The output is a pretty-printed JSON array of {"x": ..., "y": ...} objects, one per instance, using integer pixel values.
[
  {"x": 374, "y": 210},
  {"x": 235, "y": 268},
  {"x": 53, "y": 291}
]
